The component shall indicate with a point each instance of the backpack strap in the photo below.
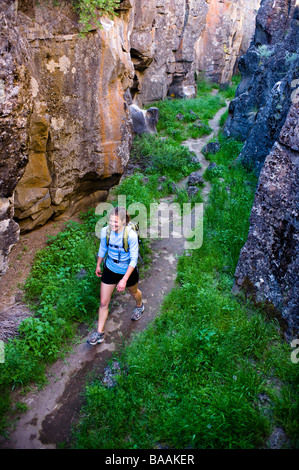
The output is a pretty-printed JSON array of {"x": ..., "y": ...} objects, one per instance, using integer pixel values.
[
  {"x": 126, "y": 234},
  {"x": 108, "y": 234}
]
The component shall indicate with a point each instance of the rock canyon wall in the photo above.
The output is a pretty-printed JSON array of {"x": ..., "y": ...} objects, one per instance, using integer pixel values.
[
  {"x": 265, "y": 114},
  {"x": 66, "y": 125},
  {"x": 229, "y": 28}
]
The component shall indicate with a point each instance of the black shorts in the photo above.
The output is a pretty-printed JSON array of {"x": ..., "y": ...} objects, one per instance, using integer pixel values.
[{"x": 109, "y": 277}]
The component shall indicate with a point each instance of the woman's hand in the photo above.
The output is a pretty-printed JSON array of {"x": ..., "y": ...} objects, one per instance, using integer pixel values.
[
  {"x": 98, "y": 271},
  {"x": 98, "y": 268},
  {"x": 121, "y": 285}
]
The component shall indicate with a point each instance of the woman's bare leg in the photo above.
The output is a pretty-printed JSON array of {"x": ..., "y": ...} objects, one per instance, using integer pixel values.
[
  {"x": 106, "y": 294},
  {"x": 136, "y": 293}
]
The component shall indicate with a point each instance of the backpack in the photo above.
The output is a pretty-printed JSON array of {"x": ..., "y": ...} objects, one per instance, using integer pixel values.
[{"x": 131, "y": 226}]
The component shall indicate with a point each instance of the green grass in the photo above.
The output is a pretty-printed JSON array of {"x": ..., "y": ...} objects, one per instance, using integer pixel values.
[
  {"x": 195, "y": 115},
  {"x": 162, "y": 156},
  {"x": 183, "y": 386},
  {"x": 227, "y": 217},
  {"x": 183, "y": 119},
  {"x": 229, "y": 91},
  {"x": 193, "y": 379}
]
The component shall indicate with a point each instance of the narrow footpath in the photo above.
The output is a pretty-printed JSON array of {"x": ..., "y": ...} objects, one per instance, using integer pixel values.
[{"x": 53, "y": 410}]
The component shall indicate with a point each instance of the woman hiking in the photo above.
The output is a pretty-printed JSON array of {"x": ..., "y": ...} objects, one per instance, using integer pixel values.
[{"x": 120, "y": 268}]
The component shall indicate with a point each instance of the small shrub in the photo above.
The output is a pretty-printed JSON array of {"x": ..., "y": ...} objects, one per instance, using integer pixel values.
[{"x": 88, "y": 9}]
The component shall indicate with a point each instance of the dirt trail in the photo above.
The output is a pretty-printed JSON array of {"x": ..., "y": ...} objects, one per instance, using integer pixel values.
[{"x": 53, "y": 410}]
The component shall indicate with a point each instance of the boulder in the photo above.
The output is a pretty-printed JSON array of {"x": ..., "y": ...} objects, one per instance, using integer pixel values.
[
  {"x": 195, "y": 179},
  {"x": 144, "y": 121},
  {"x": 212, "y": 166},
  {"x": 192, "y": 191},
  {"x": 211, "y": 147}
]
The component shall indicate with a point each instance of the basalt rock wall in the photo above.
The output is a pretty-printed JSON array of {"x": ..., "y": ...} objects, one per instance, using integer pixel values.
[
  {"x": 265, "y": 113},
  {"x": 270, "y": 72},
  {"x": 162, "y": 47},
  {"x": 267, "y": 269}
]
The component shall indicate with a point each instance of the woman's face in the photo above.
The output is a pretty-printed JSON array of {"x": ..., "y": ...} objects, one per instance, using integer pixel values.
[{"x": 116, "y": 224}]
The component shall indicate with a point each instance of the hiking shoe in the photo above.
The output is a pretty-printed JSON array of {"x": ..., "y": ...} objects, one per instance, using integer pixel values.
[
  {"x": 96, "y": 338},
  {"x": 137, "y": 313}
]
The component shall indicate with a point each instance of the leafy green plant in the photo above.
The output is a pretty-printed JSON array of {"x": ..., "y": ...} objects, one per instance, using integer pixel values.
[
  {"x": 215, "y": 172},
  {"x": 44, "y": 336},
  {"x": 88, "y": 11}
]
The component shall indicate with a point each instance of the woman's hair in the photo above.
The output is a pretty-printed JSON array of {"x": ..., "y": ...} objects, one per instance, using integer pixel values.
[{"x": 121, "y": 213}]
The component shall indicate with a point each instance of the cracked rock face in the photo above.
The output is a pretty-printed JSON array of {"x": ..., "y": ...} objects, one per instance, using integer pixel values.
[
  {"x": 229, "y": 29},
  {"x": 79, "y": 130},
  {"x": 162, "y": 47},
  {"x": 265, "y": 113},
  {"x": 269, "y": 80},
  {"x": 15, "y": 106},
  {"x": 268, "y": 265}
]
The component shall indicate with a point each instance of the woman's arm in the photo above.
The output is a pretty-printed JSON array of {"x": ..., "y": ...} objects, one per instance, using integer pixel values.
[
  {"x": 102, "y": 251},
  {"x": 98, "y": 268}
]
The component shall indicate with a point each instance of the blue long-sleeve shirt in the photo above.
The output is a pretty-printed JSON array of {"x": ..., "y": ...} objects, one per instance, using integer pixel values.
[{"x": 117, "y": 252}]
